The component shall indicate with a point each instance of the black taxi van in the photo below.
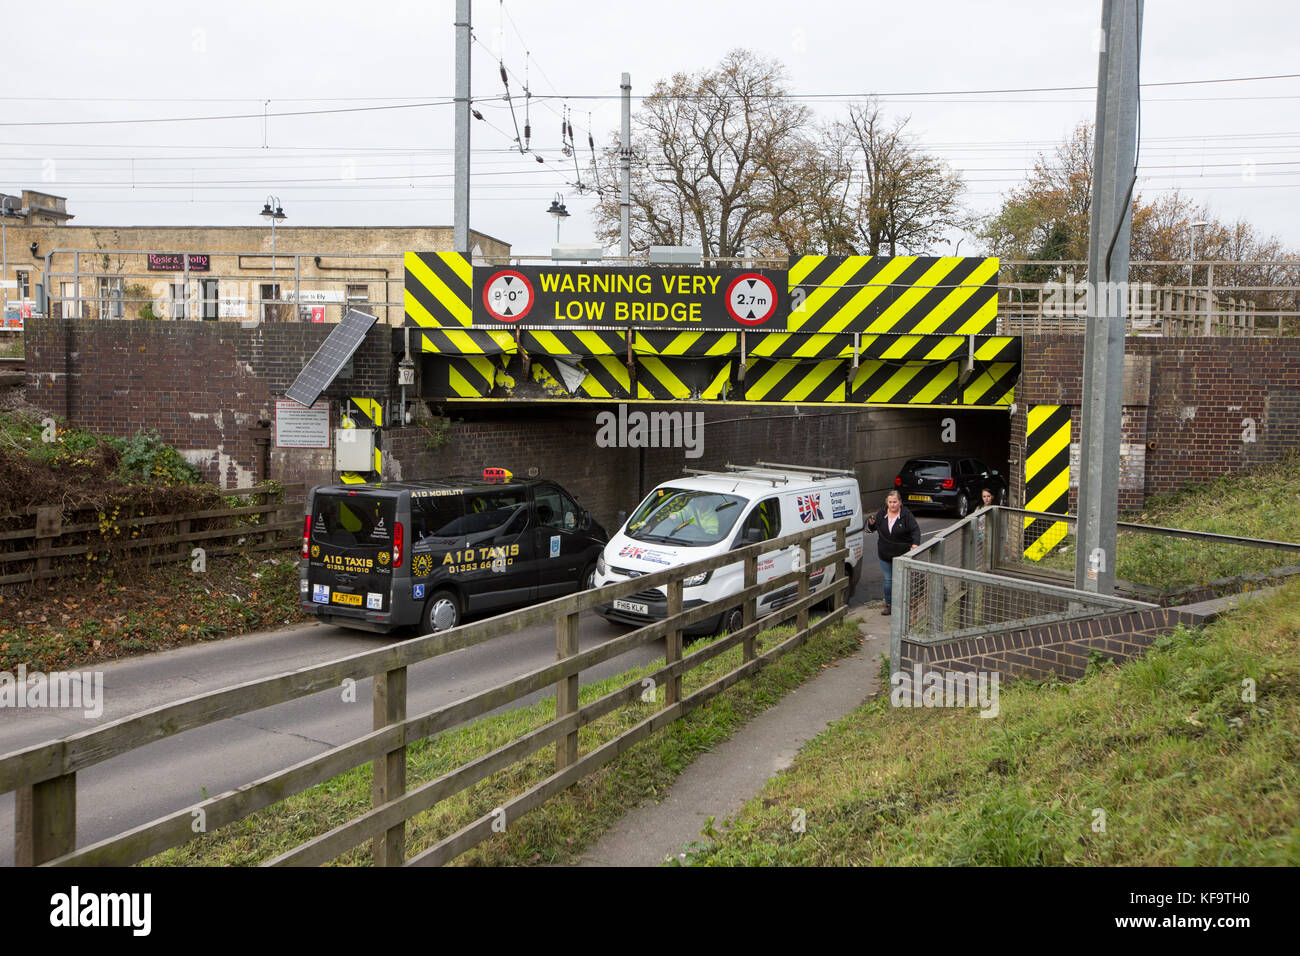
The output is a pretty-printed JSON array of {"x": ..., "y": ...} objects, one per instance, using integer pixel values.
[{"x": 385, "y": 555}]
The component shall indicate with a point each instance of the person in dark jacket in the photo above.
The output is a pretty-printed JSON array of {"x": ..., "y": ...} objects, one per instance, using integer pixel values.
[{"x": 896, "y": 533}]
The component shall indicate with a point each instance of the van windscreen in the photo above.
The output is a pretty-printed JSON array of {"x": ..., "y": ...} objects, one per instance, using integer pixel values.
[
  {"x": 353, "y": 521},
  {"x": 689, "y": 518}
]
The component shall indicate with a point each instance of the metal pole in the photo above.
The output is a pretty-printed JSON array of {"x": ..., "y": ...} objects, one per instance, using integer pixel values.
[
  {"x": 4, "y": 242},
  {"x": 1108, "y": 239},
  {"x": 625, "y": 167},
  {"x": 460, "y": 215}
]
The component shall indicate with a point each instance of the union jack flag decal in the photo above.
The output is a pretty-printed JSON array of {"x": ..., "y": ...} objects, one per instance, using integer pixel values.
[{"x": 810, "y": 508}]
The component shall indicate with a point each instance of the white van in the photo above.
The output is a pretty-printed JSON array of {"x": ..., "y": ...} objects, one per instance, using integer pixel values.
[{"x": 704, "y": 514}]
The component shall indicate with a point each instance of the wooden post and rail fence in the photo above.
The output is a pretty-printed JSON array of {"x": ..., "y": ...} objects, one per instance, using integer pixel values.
[
  {"x": 147, "y": 539},
  {"x": 44, "y": 776}
]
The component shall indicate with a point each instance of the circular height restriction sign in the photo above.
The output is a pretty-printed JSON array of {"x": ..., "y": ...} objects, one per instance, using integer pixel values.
[
  {"x": 751, "y": 299},
  {"x": 508, "y": 296}
]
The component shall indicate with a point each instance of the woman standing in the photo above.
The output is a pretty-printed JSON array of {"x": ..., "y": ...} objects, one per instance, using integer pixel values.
[{"x": 897, "y": 533}]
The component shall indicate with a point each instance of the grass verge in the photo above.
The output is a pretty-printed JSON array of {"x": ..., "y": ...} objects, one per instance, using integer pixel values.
[
  {"x": 564, "y": 827},
  {"x": 1261, "y": 503},
  {"x": 1158, "y": 762}
]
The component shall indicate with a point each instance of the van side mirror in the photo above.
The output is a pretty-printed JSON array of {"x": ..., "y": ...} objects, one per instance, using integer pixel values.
[{"x": 584, "y": 521}]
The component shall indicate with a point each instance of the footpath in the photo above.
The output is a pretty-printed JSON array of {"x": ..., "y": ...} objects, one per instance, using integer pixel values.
[{"x": 719, "y": 782}]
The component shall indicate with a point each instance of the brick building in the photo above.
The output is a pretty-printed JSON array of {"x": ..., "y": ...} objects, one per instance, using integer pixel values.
[{"x": 210, "y": 272}]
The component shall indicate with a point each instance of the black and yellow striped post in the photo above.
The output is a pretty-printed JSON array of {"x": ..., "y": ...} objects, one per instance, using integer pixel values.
[
  {"x": 1047, "y": 477},
  {"x": 365, "y": 413}
]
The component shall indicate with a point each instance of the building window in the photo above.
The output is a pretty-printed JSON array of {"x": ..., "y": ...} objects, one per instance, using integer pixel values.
[
  {"x": 110, "y": 298},
  {"x": 180, "y": 300},
  {"x": 358, "y": 293},
  {"x": 68, "y": 300}
]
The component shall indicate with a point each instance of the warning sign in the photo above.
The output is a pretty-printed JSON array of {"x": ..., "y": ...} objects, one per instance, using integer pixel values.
[
  {"x": 681, "y": 299},
  {"x": 507, "y": 296},
  {"x": 751, "y": 299}
]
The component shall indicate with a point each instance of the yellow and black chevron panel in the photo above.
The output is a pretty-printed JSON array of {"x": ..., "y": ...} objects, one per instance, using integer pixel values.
[
  {"x": 790, "y": 345},
  {"x": 464, "y": 341},
  {"x": 905, "y": 383},
  {"x": 604, "y": 376},
  {"x": 439, "y": 290},
  {"x": 461, "y": 376},
  {"x": 565, "y": 342},
  {"x": 794, "y": 380},
  {"x": 682, "y": 379},
  {"x": 685, "y": 344},
  {"x": 917, "y": 348},
  {"x": 997, "y": 348},
  {"x": 994, "y": 383},
  {"x": 1047, "y": 476},
  {"x": 901, "y": 294}
]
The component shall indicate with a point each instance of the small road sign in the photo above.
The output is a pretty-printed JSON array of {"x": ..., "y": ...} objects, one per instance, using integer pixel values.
[
  {"x": 751, "y": 298},
  {"x": 508, "y": 295}
]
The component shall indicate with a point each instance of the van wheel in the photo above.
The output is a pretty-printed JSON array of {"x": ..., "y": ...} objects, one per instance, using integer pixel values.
[
  {"x": 731, "y": 621},
  {"x": 963, "y": 505},
  {"x": 442, "y": 612},
  {"x": 588, "y": 578}
]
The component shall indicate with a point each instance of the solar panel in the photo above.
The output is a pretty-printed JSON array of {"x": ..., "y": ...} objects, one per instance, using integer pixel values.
[{"x": 330, "y": 358}]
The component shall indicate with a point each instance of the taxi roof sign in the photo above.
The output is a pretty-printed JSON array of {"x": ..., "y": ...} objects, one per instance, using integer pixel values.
[{"x": 496, "y": 475}]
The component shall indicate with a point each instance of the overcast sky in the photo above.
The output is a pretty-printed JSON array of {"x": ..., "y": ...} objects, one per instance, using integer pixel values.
[{"x": 78, "y": 61}]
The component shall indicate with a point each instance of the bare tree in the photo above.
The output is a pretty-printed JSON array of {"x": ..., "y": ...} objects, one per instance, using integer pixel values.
[
  {"x": 712, "y": 147},
  {"x": 906, "y": 199}
]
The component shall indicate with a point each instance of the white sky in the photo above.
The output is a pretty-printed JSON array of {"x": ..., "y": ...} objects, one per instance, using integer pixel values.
[{"x": 204, "y": 59}]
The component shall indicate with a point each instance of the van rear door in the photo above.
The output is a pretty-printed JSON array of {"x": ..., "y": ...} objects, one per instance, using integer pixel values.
[{"x": 351, "y": 551}]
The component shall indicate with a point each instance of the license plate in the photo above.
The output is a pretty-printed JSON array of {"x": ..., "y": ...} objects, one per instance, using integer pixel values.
[
  {"x": 918, "y": 497},
  {"x": 632, "y": 607},
  {"x": 353, "y": 600}
]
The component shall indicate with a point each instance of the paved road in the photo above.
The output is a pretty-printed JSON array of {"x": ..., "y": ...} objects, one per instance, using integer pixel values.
[{"x": 177, "y": 772}]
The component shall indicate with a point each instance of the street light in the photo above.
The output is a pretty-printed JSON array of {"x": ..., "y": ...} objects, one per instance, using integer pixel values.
[
  {"x": 1200, "y": 224},
  {"x": 273, "y": 215},
  {"x": 560, "y": 213}
]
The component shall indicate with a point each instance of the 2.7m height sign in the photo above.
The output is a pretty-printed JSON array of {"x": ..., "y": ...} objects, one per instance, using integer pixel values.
[{"x": 603, "y": 297}]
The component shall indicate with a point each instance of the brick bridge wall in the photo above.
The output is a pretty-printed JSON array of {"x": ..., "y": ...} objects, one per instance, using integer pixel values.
[{"x": 1203, "y": 395}]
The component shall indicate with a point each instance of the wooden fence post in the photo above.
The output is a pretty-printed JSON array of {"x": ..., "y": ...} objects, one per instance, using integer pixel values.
[
  {"x": 749, "y": 610},
  {"x": 673, "y": 643},
  {"x": 566, "y": 689},
  {"x": 801, "y": 618},
  {"x": 390, "y": 769},
  {"x": 843, "y": 600},
  {"x": 49, "y": 525},
  {"x": 45, "y": 820}
]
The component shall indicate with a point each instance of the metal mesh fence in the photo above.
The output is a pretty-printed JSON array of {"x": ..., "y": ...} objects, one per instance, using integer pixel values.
[{"x": 1151, "y": 562}]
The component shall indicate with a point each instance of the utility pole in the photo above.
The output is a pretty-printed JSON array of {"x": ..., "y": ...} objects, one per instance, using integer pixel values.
[
  {"x": 1108, "y": 259},
  {"x": 625, "y": 167},
  {"x": 460, "y": 216}
]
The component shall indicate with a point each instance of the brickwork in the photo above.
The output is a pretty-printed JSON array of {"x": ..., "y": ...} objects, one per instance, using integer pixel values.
[
  {"x": 1207, "y": 396},
  {"x": 1062, "y": 649},
  {"x": 200, "y": 385}
]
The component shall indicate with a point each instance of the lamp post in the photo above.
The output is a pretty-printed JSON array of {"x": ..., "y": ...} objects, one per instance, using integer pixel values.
[
  {"x": 560, "y": 213},
  {"x": 273, "y": 215}
]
